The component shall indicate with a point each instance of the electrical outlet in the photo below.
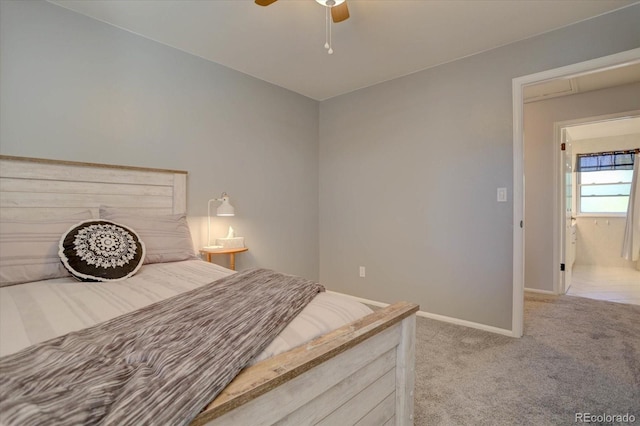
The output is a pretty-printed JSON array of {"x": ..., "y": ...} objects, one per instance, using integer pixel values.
[{"x": 362, "y": 272}]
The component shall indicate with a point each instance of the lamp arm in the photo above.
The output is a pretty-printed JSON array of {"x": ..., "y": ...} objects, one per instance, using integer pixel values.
[{"x": 209, "y": 221}]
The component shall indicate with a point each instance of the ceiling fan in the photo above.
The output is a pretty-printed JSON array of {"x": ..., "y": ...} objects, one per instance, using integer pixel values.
[
  {"x": 339, "y": 12},
  {"x": 339, "y": 9}
]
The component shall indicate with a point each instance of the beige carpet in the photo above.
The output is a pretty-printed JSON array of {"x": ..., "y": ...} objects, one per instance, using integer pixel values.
[{"x": 577, "y": 356}]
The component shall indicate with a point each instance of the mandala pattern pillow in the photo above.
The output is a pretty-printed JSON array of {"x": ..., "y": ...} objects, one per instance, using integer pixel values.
[{"x": 101, "y": 250}]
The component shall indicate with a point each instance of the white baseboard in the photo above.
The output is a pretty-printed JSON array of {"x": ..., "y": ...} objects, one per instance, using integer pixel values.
[
  {"x": 535, "y": 290},
  {"x": 437, "y": 317},
  {"x": 466, "y": 323}
]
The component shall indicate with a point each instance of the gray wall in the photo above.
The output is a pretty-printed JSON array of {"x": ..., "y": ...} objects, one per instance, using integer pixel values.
[
  {"x": 540, "y": 168},
  {"x": 409, "y": 170},
  {"x": 77, "y": 89}
]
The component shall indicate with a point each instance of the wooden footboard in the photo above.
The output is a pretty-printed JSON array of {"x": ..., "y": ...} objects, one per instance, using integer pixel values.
[{"x": 361, "y": 373}]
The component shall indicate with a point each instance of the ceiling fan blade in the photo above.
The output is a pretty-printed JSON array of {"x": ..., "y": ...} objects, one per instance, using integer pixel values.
[
  {"x": 265, "y": 2},
  {"x": 339, "y": 13}
]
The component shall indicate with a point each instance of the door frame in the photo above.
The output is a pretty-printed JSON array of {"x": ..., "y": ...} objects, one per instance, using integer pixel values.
[{"x": 595, "y": 65}]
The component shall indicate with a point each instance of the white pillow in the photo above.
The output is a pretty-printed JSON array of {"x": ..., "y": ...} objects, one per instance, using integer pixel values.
[
  {"x": 166, "y": 237},
  {"x": 29, "y": 248}
]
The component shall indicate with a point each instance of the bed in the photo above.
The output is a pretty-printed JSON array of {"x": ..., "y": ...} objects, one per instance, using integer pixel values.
[{"x": 361, "y": 372}]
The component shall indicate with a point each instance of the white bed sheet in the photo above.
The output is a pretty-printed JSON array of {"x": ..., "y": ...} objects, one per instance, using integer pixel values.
[{"x": 34, "y": 312}]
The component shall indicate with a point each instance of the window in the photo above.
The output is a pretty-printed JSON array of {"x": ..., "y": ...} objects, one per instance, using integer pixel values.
[{"x": 604, "y": 182}]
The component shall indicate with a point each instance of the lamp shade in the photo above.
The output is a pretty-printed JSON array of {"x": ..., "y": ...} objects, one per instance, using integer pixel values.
[{"x": 225, "y": 208}]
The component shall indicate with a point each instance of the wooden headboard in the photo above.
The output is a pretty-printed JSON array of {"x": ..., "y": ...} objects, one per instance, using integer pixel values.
[{"x": 33, "y": 187}]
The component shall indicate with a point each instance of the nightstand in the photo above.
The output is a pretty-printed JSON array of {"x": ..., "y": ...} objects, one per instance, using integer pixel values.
[{"x": 230, "y": 251}]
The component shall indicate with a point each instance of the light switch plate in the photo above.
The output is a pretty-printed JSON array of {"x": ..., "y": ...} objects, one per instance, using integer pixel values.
[{"x": 502, "y": 195}]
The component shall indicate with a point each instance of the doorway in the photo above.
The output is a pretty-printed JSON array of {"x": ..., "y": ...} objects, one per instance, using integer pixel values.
[
  {"x": 622, "y": 59},
  {"x": 593, "y": 206}
]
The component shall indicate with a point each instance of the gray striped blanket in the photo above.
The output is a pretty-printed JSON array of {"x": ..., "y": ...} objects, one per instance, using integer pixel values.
[{"x": 161, "y": 364}]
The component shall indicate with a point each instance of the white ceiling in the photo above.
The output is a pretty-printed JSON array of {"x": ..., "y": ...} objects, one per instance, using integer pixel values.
[
  {"x": 602, "y": 129},
  {"x": 383, "y": 39}
]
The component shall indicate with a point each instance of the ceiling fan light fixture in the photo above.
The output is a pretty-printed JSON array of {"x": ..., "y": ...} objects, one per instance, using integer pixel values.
[
  {"x": 330, "y": 3},
  {"x": 336, "y": 11}
]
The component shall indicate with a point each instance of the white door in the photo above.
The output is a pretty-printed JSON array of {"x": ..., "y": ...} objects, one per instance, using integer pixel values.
[{"x": 568, "y": 251}]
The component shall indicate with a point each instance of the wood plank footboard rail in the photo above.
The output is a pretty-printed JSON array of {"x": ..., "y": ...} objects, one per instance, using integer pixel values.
[{"x": 362, "y": 373}]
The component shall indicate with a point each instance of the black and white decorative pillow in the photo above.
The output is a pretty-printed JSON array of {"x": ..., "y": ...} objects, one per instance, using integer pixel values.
[{"x": 101, "y": 250}]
